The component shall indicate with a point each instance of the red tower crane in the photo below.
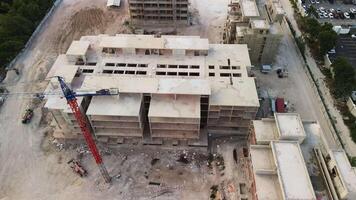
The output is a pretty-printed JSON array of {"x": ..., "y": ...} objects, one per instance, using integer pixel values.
[{"x": 70, "y": 95}]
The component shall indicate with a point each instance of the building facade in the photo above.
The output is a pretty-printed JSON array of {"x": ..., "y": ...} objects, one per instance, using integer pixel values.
[{"x": 168, "y": 12}]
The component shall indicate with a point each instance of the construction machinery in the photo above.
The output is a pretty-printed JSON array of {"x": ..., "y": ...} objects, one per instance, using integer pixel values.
[
  {"x": 70, "y": 95},
  {"x": 27, "y": 116},
  {"x": 77, "y": 167}
]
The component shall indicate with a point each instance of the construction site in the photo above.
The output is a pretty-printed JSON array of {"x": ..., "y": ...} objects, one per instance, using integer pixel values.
[
  {"x": 169, "y": 91},
  {"x": 108, "y": 103}
]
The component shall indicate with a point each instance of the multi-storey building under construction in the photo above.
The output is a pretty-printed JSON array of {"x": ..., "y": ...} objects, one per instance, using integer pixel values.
[
  {"x": 149, "y": 12},
  {"x": 173, "y": 89}
]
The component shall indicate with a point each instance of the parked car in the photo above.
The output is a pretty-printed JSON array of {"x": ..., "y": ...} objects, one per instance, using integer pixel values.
[
  {"x": 332, "y": 51},
  {"x": 312, "y": 1},
  {"x": 347, "y": 15},
  {"x": 317, "y": 1},
  {"x": 280, "y": 107},
  {"x": 27, "y": 116},
  {"x": 326, "y": 15},
  {"x": 352, "y": 15},
  {"x": 331, "y": 16},
  {"x": 353, "y": 35},
  {"x": 332, "y": 10},
  {"x": 352, "y": 10}
]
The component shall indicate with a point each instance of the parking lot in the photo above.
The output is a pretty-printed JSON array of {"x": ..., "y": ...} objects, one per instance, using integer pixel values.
[{"x": 337, "y": 13}]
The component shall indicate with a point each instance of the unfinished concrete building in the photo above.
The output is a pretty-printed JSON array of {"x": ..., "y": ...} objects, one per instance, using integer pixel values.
[
  {"x": 339, "y": 174},
  {"x": 167, "y": 12},
  {"x": 284, "y": 126},
  {"x": 258, "y": 26},
  {"x": 172, "y": 89},
  {"x": 279, "y": 172}
]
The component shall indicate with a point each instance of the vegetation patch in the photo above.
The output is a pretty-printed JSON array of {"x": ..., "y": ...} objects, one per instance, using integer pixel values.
[{"x": 18, "y": 20}]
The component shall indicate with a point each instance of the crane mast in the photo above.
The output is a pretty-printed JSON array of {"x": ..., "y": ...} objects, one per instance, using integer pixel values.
[{"x": 72, "y": 102}]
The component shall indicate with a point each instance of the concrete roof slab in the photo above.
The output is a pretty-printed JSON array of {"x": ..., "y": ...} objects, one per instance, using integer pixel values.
[
  {"x": 117, "y": 105},
  {"x": 242, "y": 92},
  {"x": 78, "y": 48},
  {"x": 292, "y": 171},
  {"x": 289, "y": 125},
  {"x": 174, "y": 106}
]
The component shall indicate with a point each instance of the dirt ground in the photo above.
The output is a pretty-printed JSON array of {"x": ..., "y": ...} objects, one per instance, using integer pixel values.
[{"x": 31, "y": 167}]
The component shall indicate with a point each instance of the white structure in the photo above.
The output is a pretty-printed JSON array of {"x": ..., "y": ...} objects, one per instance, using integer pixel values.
[
  {"x": 284, "y": 126},
  {"x": 280, "y": 172},
  {"x": 341, "y": 30},
  {"x": 342, "y": 174},
  {"x": 113, "y": 3}
]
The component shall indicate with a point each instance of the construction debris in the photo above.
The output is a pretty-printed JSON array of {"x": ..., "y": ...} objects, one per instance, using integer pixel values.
[
  {"x": 154, "y": 183},
  {"x": 154, "y": 161}
]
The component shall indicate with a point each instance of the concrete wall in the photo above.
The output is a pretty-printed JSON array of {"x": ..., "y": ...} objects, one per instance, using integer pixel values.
[
  {"x": 229, "y": 120},
  {"x": 271, "y": 48},
  {"x": 263, "y": 47},
  {"x": 178, "y": 128}
]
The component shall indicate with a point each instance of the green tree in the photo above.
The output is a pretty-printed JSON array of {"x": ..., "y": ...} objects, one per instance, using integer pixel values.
[
  {"x": 311, "y": 27},
  {"x": 15, "y": 27},
  {"x": 312, "y": 11},
  {"x": 4, "y": 7},
  {"x": 326, "y": 27},
  {"x": 327, "y": 40},
  {"x": 18, "y": 20},
  {"x": 353, "y": 161},
  {"x": 8, "y": 50},
  {"x": 344, "y": 77},
  {"x": 27, "y": 10}
]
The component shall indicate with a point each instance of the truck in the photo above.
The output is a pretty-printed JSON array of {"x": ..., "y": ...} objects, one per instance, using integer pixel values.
[{"x": 280, "y": 106}]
